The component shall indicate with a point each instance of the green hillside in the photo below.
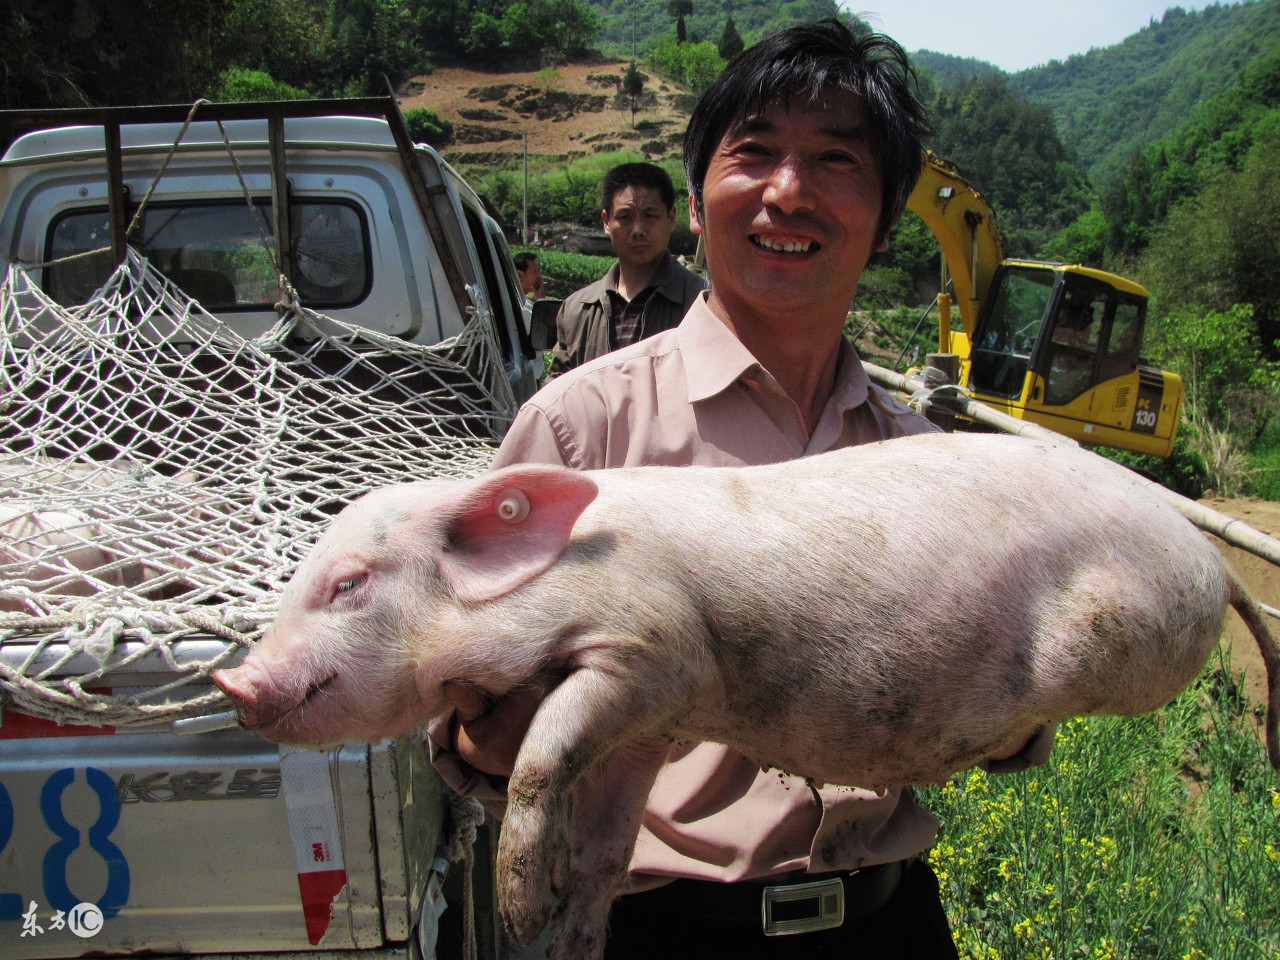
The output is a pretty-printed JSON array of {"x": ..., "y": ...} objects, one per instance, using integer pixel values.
[
  {"x": 950, "y": 71},
  {"x": 1108, "y": 103}
]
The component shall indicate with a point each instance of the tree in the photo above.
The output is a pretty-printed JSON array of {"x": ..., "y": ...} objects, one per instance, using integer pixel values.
[
  {"x": 59, "y": 53},
  {"x": 730, "y": 44},
  {"x": 1219, "y": 247},
  {"x": 1230, "y": 387},
  {"x": 1009, "y": 149},
  {"x": 701, "y": 65},
  {"x": 691, "y": 65},
  {"x": 680, "y": 9},
  {"x": 484, "y": 36},
  {"x": 633, "y": 87},
  {"x": 1083, "y": 241}
]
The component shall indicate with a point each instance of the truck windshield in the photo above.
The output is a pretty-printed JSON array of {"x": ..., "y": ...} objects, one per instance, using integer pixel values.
[
  {"x": 215, "y": 253},
  {"x": 1002, "y": 350}
]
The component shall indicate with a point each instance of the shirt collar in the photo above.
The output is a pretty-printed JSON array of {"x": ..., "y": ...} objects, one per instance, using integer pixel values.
[
  {"x": 713, "y": 357},
  {"x": 714, "y": 360},
  {"x": 667, "y": 280}
]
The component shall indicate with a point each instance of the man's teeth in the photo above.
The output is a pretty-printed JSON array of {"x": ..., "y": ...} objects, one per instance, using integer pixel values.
[{"x": 784, "y": 246}]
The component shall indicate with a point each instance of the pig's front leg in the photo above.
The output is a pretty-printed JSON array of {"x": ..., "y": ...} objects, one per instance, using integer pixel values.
[{"x": 584, "y": 720}]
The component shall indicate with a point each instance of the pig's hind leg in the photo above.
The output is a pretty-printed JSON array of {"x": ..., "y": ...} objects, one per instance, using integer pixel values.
[{"x": 581, "y": 723}]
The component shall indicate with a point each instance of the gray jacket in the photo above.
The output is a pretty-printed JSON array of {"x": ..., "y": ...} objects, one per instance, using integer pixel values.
[{"x": 583, "y": 327}]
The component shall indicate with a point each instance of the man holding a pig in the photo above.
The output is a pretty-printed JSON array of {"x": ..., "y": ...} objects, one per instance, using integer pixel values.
[{"x": 800, "y": 158}]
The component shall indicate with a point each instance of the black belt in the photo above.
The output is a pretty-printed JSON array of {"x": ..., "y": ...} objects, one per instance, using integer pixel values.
[{"x": 800, "y": 903}]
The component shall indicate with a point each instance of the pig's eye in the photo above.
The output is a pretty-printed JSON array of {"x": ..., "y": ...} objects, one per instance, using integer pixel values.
[{"x": 346, "y": 586}]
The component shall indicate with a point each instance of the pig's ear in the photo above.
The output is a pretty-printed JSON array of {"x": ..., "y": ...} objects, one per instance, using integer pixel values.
[{"x": 510, "y": 526}]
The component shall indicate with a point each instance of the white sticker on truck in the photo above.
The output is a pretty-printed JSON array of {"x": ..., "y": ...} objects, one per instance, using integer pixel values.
[{"x": 313, "y": 827}]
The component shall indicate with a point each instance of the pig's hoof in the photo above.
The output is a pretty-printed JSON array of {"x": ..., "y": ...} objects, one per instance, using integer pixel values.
[{"x": 525, "y": 905}]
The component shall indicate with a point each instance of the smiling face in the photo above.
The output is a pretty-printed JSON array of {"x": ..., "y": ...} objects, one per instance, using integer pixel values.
[
  {"x": 639, "y": 223},
  {"x": 790, "y": 212}
]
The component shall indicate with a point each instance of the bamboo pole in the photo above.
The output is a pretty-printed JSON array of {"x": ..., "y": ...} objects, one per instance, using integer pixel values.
[{"x": 954, "y": 400}]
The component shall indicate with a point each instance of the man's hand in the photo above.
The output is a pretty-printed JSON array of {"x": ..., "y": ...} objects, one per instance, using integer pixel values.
[{"x": 488, "y": 731}]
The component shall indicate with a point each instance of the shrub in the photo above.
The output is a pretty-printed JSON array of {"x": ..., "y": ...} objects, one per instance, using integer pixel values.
[
  {"x": 238, "y": 85},
  {"x": 1148, "y": 836},
  {"x": 426, "y": 126},
  {"x": 564, "y": 273}
]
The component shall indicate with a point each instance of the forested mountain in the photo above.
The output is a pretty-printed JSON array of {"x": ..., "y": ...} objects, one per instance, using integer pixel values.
[
  {"x": 1010, "y": 149},
  {"x": 649, "y": 21},
  {"x": 1111, "y": 102},
  {"x": 1155, "y": 157},
  {"x": 951, "y": 71}
]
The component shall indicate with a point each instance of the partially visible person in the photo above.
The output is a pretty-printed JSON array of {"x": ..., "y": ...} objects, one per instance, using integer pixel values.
[
  {"x": 530, "y": 272},
  {"x": 646, "y": 291}
]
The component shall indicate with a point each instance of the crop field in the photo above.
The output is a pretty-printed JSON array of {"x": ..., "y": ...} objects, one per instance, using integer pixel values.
[{"x": 1147, "y": 837}]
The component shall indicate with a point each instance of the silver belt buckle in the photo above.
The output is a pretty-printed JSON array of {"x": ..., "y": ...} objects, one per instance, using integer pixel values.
[{"x": 802, "y": 907}]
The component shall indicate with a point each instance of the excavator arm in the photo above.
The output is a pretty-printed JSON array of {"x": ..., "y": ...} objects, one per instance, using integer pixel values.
[{"x": 966, "y": 230}]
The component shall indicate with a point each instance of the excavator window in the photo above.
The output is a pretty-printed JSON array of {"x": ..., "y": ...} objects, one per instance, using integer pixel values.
[
  {"x": 1095, "y": 335},
  {"x": 1124, "y": 344},
  {"x": 1008, "y": 332},
  {"x": 1075, "y": 340}
]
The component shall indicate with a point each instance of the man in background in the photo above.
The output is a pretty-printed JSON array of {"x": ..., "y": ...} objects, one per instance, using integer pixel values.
[
  {"x": 530, "y": 272},
  {"x": 646, "y": 291}
]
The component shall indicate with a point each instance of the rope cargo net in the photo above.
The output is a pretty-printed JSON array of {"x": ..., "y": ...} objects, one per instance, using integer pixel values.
[{"x": 161, "y": 476}]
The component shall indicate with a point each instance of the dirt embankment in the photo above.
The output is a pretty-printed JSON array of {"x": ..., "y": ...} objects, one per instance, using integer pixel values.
[{"x": 574, "y": 111}]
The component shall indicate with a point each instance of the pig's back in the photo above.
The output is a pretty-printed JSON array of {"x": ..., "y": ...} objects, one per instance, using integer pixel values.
[{"x": 919, "y": 603}]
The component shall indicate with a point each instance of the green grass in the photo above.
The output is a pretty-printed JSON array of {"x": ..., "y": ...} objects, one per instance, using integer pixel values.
[{"x": 1146, "y": 837}]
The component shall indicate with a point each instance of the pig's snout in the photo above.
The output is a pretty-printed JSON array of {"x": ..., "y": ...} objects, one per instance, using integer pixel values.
[
  {"x": 263, "y": 702},
  {"x": 238, "y": 684}
]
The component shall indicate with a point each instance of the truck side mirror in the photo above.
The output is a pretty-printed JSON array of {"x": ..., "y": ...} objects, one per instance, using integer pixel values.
[{"x": 542, "y": 324}]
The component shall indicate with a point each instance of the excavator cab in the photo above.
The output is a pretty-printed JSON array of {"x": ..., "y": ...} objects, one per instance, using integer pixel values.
[{"x": 1060, "y": 345}]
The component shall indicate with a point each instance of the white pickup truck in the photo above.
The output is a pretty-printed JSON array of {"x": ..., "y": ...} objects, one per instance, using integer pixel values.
[{"x": 135, "y": 839}]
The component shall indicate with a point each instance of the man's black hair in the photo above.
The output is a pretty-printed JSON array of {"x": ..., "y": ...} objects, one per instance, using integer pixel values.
[
  {"x": 636, "y": 175},
  {"x": 522, "y": 260},
  {"x": 799, "y": 63}
]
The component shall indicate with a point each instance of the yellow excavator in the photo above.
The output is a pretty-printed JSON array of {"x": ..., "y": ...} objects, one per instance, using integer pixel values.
[{"x": 1051, "y": 343}]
